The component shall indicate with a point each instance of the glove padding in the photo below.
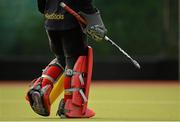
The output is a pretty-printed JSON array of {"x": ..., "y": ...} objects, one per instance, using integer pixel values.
[{"x": 95, "y": 27}]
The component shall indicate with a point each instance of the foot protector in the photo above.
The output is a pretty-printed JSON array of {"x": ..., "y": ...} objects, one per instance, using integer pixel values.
[
  {"x": 39, "y": 99},
  {"x": 73, "y": 111}
]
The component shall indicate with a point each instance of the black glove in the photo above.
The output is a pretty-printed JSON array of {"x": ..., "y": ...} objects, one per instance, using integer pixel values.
[{"x": 95, "y": 27}]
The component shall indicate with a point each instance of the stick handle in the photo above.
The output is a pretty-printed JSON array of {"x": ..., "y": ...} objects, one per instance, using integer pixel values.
[
  {"x": 83, "y": 22},
  {"x": 75, "y": 14}
]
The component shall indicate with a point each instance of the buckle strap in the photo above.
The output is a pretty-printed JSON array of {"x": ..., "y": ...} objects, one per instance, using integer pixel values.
[
  {"x": 72, "y": 89},
  {"x": 81, "y": 79},
  {"x": 48, "y": 77},
  {"x": 70, "y": 72},
  {"x": 83, "y": 95},
  {"x": 80, "y": 91}
]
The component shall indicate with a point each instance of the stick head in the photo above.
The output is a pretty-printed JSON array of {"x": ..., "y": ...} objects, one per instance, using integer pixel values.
[{"x": 136, "y": 64}]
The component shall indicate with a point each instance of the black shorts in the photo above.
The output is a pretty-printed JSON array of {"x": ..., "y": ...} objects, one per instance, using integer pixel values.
[{"x": 68, "y": 45}]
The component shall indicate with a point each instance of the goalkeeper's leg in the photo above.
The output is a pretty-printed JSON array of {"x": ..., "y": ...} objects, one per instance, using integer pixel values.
[
  {"x": 43, "y": 93},
  {"x": 77, "y": 85},
  {"x": 77, "y": 75},
  {"x": 39, "y": 94}
]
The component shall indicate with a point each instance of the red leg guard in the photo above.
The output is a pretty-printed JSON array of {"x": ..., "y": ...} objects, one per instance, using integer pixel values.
[
  {"x": 81, "y": 80},
  {"x": 46, "y": 101},
  {"x": 81, "y": 66},
  {"x": 50, "y": 74},
  {"x": 38, "y": 95},
  {"x": 67, "y": 85}
]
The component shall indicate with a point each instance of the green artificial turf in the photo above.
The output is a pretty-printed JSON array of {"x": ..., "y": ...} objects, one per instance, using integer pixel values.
[{"x": 111, "y": 102}]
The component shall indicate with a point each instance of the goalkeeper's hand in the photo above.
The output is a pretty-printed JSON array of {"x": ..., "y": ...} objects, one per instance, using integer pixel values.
[{"x": 95, "y": 27}]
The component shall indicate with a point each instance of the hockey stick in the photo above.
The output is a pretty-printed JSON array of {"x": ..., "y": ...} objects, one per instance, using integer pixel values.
[{"x": 82, "y": 21}]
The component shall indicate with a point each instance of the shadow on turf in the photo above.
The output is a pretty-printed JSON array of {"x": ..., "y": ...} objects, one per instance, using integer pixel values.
[
  {"x": 92, "y": 119},
  {"x": 77, "y": 119}
]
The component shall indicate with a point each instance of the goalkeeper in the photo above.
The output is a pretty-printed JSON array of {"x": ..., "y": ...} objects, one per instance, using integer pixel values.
[{"x": 71, "y": 69}]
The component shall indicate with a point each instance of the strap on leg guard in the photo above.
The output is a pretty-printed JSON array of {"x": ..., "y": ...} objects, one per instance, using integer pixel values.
[{"x": 80, "y": 82}]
